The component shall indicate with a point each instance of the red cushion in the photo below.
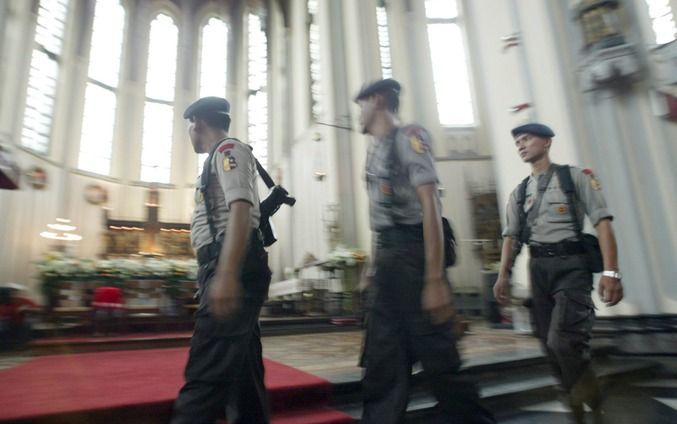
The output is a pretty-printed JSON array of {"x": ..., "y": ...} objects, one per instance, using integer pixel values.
[{"x": 107, "y": 298}]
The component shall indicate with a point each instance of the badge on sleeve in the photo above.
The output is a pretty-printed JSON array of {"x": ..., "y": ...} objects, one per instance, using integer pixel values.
[
  {"x": 417, "y": 144},
  {"x": 563, "y": 210},
  {"x": 417, "y": 138},
  {"x": 229, "y": 162},
  {"x": 594, "y": 182}
]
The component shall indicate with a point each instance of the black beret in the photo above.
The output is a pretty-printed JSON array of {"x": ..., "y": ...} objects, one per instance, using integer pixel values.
[
  {"x": 207, "y": 105},
  {"x": 533, "y": 128},
  {"x": 380, "y": 86}
]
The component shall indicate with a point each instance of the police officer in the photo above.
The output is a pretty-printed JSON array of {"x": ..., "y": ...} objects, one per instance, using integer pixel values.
[
  {"x": 225, "y": 368},
  {"x": 561, "y": 279},
  {"x": 411, "y": 315}
]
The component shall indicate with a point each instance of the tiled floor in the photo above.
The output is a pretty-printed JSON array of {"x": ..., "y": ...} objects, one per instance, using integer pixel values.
[{"x": 335, "y": 356}]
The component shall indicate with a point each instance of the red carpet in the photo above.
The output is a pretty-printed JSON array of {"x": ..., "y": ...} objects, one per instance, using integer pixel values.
[{"x": 90, "y": 387}]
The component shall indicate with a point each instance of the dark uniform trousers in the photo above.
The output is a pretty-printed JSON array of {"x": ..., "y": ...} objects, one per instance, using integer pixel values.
[
  {"x": 563, "y": 315},
  {"x": 399, "y": 334},
  {"x": 224, "y": 374}
]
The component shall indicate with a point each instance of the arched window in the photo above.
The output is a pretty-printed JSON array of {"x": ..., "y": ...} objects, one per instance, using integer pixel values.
[
  {"x": 383, "y": 40},
  {"x": 98, "y": 120},
  {"x": 158, "y": 113},
  {"x": 257, "y": 101},
  {"x": 450, "y": 65},
  {"x": 213, "y": 65},
  {"x": 662, "y": 20},
  {"x": 214, "y": 58},
  {"x": 314, "y": 59},
  {"x": 43, "y": 75}
]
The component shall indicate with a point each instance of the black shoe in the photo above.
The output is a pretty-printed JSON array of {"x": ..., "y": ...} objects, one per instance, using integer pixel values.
[
  {"x": 578, "y": 413},
  {"x": 598, "y": 416}
]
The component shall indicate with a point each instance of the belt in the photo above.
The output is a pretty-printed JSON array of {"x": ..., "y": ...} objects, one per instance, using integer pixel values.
[
  {"x": 400, "y": 234},
  {"x": 565, "y": 248},
  {"x": 212, "y": 250}
]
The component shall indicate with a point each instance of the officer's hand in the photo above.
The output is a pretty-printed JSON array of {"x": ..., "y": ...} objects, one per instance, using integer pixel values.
[
  {"x": 502, "y": 290},
  {"x": 610, "y": 290},
  {"x": 224, "y": 296},
  {"x": 436, "y": 300}
]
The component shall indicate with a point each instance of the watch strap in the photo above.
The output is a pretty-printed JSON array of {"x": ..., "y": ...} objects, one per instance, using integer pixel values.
[{"x": 612, "y": 274}]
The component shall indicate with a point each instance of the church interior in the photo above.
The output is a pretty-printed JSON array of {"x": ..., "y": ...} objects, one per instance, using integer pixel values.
[{"x": 98, "y": 182}]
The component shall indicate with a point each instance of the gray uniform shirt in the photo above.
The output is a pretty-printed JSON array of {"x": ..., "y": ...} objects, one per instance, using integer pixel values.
[
  {"x": 392, "y": 176},
  {"x": 553, "y": 221},
  {"x": 233, "y": 177}
]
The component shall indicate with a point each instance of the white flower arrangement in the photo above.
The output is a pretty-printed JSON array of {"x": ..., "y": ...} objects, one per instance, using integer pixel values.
[
  {"x": 343, "y": 257},
  {"x": 57, "y": 266}
]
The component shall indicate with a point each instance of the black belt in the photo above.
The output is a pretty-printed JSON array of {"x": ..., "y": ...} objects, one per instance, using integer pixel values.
[
  {"x": 565, "y": 248},
  {"x": 211, "y": 251},
  {"x": 400, "y": 234}
]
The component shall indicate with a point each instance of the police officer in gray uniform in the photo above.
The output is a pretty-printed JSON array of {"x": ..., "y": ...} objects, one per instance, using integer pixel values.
[
  {"x": 224, "y": 372},
  {"x": 411, "y": 315},
  {"x": 559, "y": 268}
]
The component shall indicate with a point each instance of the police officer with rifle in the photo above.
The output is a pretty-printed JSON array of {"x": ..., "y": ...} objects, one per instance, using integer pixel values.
[{"x": 229, "y": 231}]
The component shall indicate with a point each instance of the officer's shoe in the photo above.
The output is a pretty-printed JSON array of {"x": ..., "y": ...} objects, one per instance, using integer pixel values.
[
  {"x": 599, "y": 416},
  {"x": 578, "y": 413}
]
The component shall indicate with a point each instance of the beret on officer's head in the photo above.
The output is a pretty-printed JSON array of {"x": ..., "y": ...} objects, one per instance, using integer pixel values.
[
  {"x": 207, "y": 105},
  {"x": 533, "y": 128},
  {"x": 387, "y": 85}
]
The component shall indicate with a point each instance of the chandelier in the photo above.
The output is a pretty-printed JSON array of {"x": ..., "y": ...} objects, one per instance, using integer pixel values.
[{"x": 61, "y": 230}]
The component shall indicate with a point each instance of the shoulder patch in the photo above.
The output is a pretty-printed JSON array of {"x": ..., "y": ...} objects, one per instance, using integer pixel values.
[
  {"x": 417, "y": 144},
  {"x": 418, "y": 138},
  {"x": 226, "y": 146},
  {"x": 594, "y": 182},
  {"x": 229, "y": 162}
]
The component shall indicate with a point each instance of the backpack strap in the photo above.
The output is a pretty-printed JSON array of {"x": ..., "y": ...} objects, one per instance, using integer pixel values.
[
  {"x": 524, "y": 230},
  {"x": 527, "y": 219},
  {"x": 204, "y": 184},
  {"x": 566, "y": 184}
]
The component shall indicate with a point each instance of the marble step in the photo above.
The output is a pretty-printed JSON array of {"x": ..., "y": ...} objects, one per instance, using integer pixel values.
[{"x": 516, "y": 386}]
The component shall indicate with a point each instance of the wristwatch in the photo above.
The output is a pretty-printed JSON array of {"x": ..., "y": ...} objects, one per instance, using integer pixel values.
[{"x": 613, "y": 274}]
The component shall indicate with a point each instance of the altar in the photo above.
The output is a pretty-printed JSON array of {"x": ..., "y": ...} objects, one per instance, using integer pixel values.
[
  {"x": 317, "y": 288},
  {"x": 150, "y": 237}
]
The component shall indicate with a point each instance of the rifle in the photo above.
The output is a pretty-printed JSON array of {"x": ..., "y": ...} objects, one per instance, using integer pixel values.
[{"x": 277, "y": 197}]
